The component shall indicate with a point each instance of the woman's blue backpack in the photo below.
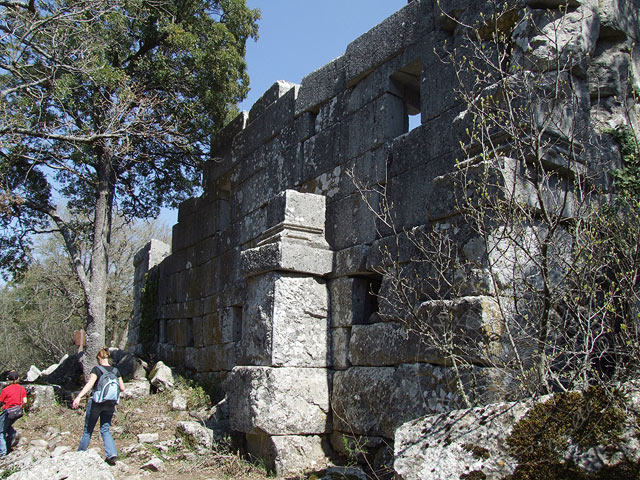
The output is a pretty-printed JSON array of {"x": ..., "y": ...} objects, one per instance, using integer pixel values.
[{"x": 108, "y": 388}]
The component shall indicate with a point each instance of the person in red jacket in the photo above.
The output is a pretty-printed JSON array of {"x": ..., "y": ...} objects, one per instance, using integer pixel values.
[{"x": 11, "y": 396}]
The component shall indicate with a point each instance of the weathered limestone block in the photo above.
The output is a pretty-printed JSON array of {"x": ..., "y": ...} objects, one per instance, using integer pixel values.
[
  {"x": 549, "y": 38},
  {"x": 448, "y": 449},
  {"x": 148, "y": 257},
  {"x": 215, "y": 358},
  {"x": 609, "y": 73},
  {"x": 161, "y": 377},
  {"x": 41, "y": 395},
  {"x": 222, "y": 141},
  {"x": 138, "y": 388},
  {"x": 288, "y": 454},
  {"x": 33, "y": 373},
  {"x": 294, "y": 209},
  {"x": 339, "y": 348},
  {"x": 277, "y": 90},
  {"x": 406, "y": 392},
  {"x": 195, "y": 433},
  {"x": 389, "y": 344},
  {"x": 279, "y": 401},
  {"x": 287, "y": 255},
  {"x": 477, "y": 323},
  {"x": 285, "y": 321},
  {"x": 352, "y": 260},
  {"x": 382, "y": 42},
  {"x": 351, "y": 222},
  {"x": 321, "y": 85},
  {"x": 375, "y": 123},
  {"x": 323, "y": 152},
  {"x": 281, "y": 172},
  {"x": 506, "y": 179},
  {"x": 68, "y": 466},
  {"x": 351, "y": 301},
  {"x": 274, "y": 118}
]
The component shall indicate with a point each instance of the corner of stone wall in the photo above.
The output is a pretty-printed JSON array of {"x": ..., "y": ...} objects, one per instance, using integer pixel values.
[{"x": 146, "y": 260}]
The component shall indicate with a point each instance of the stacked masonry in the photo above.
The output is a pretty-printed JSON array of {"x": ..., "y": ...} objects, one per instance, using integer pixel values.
[{"x": 267, "y": 291}]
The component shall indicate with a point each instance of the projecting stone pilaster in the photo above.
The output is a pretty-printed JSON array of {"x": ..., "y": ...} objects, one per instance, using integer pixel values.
[{"x": 279, "y": 395}]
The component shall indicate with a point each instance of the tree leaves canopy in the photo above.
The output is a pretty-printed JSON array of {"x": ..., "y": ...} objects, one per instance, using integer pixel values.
[{"x": 123, "y": 93}]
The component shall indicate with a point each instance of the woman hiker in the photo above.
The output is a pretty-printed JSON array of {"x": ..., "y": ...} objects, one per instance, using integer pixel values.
[
  {"x": 13, "y": 395},
  {"x": 103, "y": 410}
]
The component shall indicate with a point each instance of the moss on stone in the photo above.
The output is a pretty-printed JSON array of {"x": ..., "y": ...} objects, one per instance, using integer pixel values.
[{"x": 540, "y": 440}]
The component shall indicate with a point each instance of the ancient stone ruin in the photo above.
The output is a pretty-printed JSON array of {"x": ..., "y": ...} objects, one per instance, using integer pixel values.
[{"x": 270, "y": 287}]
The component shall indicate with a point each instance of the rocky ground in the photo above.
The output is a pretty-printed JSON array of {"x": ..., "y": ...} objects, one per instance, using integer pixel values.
[{"x": 146, "y": 436}]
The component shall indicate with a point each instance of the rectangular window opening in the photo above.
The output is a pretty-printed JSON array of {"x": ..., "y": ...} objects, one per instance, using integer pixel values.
[
  {"x": 406, "y": 84},
  {"x": 236, "y": 318}
]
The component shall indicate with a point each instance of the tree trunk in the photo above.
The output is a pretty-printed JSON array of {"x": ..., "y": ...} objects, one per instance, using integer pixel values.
[{"x": 96, "y": 294}]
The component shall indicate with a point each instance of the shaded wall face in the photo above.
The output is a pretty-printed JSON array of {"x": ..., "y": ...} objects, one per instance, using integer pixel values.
[{"x": 273, "y": 266}]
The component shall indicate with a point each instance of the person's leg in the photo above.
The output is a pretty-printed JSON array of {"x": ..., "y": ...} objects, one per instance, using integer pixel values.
[
  {"x": 3, "y": 443},
  {"x": 90, "y": 419},
  {"x": 10, "y": 434},
  {"x": 106, "y": 415}
]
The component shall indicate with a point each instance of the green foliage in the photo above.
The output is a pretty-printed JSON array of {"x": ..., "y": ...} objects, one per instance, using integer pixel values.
[
  {"x": 541, "y": 439},
  {"x": 197, "y": 396},
  {"x": 7, "y": 472},
  {"x": 628, "y": 177}
]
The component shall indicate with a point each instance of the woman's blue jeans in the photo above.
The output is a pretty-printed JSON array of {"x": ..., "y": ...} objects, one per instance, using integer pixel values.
[{"x": 105, "y": 413}]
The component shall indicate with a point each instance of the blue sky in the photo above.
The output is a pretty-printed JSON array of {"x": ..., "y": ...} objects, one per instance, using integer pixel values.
[{"x": 300, "y": 36}]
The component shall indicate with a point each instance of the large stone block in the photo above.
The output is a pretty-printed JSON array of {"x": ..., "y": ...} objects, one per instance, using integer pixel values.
[
  {"x": 285, "y": 321},
  {"x": 382, "y": 42},
  {"x": 279, "y": 401},
  {"x": 376, "y": 400},
  {"x": 352, "y": 221},
  {"x": 296, "y": 209},
  {"x": 352, "y": 300},
  {"x": 351, "y": 260},
  {"x": 223, "y": 141},
  {"x": 548, "y": 38},
  {"x": 339, "y": 348},
  {"x": 288, "y": 454},
  {"x": 215, "y": 358},
  {"x": 389, "y": 344},
  {"x": 318, "y": 87},
  {"x": 277, "y": 90},
  {"x": 381, "y": 120},
  {"x": 287, "y": 255},
  {"x": 365, "y": 171},
  {"x": 256, "y": 191},
  {"x": 323, "y": 152},
  {"x": 453, "y": 440},
  {"x": 273, "y": 119}
]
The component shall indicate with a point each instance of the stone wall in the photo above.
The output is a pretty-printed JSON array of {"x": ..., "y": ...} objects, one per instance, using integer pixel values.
[{"x": 268, "y": 289}]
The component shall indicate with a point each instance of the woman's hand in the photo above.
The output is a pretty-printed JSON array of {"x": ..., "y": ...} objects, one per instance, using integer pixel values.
[{"x": 76, "y": 402}]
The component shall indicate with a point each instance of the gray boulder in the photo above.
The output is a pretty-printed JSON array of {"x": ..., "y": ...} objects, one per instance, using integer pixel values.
[
  {"x": 161, "y": 377},
  {"x": 41, "y": 395},
  {"x": 130, "y": 366},
  {"x": 195, "y": 434},
  {"x": 472, "y": 443},
  {"x": 33, "y": 374},
  {"x": 136, "y": 389},
  {"x": 69, "y": 466}
]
